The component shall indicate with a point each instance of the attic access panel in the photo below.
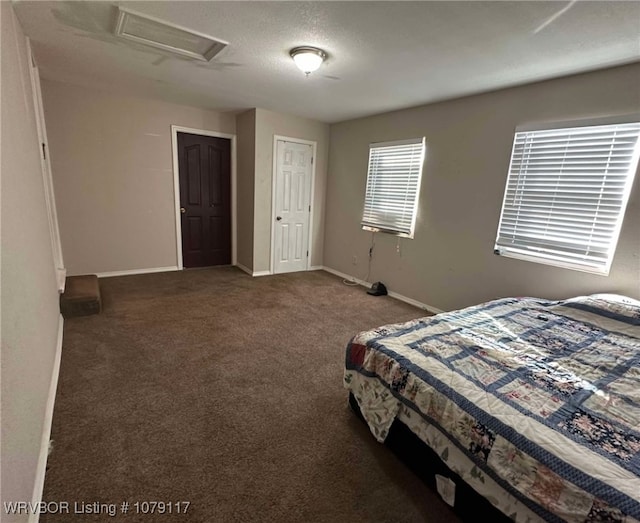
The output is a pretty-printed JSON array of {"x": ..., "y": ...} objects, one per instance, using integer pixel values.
[{"x": 168, "y": 37}]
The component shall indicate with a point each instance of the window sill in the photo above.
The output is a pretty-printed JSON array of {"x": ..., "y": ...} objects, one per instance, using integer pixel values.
[
  {"x": 387, "y": 231},
  {"x": 554, "y": 263}
]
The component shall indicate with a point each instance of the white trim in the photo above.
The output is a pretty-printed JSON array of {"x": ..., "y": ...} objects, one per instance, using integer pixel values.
[
  {"x": 175, "y": 129},
  {"x": 272, "y": 231},
  {"x": 415, "y": 303},
  {"x": 62, "y": 279},
  {"x": 261, "y": 273},
  {"x": 316, "y": 268},
  {"x": 41, "y": 468},
  {"x": 251, "y": 273},
  {"x": 136, "y": 271},
  {"x": 314, "y": 161},
  {"x": 392, "y": 294},
  {"x": 552, "y": 262},
  {"x": 176, "y": 196},
  {"x": 314, "y": 149},
  {"x": 45, "y": 165},
  {"x": 244, "y": 269},
  {"x": 348, "y": 277}
]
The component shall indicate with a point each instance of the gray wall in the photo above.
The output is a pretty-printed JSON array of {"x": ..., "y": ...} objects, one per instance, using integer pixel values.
[
  {"x": 269, "y": 124},
  {"x": 450, "y": 263},
  {"x": 112, "y": 172},
  {"x": 113, "y": 175},
  {"x": 246, "y": 133},
  {"x": 30, "y": 313}
]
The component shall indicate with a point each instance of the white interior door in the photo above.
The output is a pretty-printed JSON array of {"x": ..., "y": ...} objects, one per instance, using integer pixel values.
[{"x": 292, "y": 206}]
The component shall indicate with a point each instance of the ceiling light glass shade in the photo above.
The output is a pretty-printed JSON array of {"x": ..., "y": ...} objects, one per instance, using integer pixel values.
[{"x": 308, "y": 59}]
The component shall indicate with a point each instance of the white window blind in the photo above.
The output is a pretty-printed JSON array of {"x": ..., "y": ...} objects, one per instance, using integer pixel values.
[
  {"x": 393, "y": 186},
  {"x": 566, "y": 194}
]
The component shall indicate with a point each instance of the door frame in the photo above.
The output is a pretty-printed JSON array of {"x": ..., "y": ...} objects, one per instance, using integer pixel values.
[
  {"x": 314, "y": 147},
  {"x": 45, "y": 165},
  {"x": 175, "y": 129}
]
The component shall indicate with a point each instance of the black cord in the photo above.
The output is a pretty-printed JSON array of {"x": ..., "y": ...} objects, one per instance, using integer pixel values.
[{"x": 366, "y": 279}]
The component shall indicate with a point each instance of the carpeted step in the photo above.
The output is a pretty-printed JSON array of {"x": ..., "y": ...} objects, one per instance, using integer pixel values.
[{"x": 81, "y": 296}]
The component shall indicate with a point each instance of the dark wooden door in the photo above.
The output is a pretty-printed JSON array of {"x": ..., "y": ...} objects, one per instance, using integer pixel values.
[{"x": 205, "y": 199}]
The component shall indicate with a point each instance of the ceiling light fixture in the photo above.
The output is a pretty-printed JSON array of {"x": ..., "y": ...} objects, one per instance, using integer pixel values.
[{"x": 308, "y": 59}]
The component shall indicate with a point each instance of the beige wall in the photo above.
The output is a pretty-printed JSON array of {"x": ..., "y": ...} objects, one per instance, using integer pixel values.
[
  {"x": 246, "y": 137},
  {"x": 268, "y": 124},
  {"x": 30, "y": 313},
  {"x": 112, "y": 171},
  {"x": 450, "y": 263}
]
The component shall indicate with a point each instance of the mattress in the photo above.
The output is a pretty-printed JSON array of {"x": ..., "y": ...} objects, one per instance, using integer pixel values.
[{"x": 534, "y": 403}]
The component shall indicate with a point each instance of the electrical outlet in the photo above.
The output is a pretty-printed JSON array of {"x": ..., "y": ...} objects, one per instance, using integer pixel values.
[{"x": 354, "y": 260}]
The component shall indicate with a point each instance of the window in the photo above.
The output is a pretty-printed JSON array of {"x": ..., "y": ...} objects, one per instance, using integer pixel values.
[
  {"x": 566, "y": 194},
  {"x": 393, "y": 186}
]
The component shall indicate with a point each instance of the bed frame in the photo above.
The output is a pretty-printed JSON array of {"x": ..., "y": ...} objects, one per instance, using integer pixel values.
[{"x": 425, "y": 463}]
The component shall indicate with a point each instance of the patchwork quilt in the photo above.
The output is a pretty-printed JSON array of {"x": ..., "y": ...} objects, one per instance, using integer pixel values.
[{"x": 538, "y": 398}]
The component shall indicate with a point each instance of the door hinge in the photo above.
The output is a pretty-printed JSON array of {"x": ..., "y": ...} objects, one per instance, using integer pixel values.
[
  {"x": 44, "y": 152},
  {"x": 309, "y": 208},
  {"x": 312, "y": 160},
  {"x": 307, "y": 254}
]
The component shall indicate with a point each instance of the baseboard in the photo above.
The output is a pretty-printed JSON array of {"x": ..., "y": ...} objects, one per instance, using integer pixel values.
[
  {"x": 395, "y": 295},
  {"x": 136, "y": 271},
  {"x": 61, "y": 275},
  {"x": 268, "y": 273},
  {"x": 348, "y": 277},
  {"x": 244, "y": 269},
  {"x": 46, "y": 427},
  {"x": 261, "y": 273},
  {"x": 255, "y": 274},
  {"x": 415, "y": 303}
]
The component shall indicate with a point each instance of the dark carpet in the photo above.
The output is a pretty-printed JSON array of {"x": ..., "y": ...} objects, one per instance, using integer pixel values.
[{"x": 223, "y": 390}]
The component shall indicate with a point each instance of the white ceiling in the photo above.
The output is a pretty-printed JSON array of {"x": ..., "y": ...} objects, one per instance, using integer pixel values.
[{"x": 382, "y": 55}]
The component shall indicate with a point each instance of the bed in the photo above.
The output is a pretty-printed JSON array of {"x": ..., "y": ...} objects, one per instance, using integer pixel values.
[{"x": 533, "y": 404}]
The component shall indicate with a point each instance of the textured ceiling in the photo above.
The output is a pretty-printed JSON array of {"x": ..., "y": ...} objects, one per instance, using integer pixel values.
[{"x": 382, "y": 55}]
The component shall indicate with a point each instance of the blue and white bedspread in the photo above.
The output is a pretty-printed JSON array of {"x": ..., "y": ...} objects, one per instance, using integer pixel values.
[{"x": 541, "y": 398}]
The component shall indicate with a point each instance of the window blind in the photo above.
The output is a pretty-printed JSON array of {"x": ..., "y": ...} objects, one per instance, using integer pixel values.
[
  {"x": 566, "y": 194},
  {"x": 393, "y": 186}
]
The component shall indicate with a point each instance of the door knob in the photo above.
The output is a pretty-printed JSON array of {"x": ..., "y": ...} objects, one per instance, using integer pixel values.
[
  {"x": 278, "y": 218},
  {"x": 183, "y": 210}
]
